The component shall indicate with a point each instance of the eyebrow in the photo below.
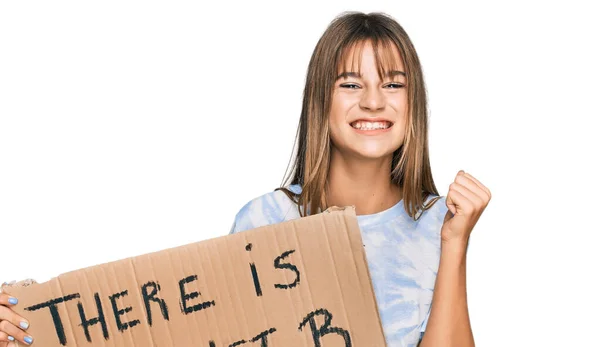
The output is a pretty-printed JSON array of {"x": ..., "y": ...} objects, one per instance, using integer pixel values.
[{"x": 357, "y": 75}]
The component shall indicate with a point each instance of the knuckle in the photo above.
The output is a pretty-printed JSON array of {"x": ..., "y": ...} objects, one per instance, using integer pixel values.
[
  {"x": 8, "y": 318},
  {"x": 480, "y": 202},
  {"x": 6, "y": 314},
  {"x": 4, "y": 325}
]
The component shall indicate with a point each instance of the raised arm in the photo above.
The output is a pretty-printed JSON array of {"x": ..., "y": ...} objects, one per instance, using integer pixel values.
[{"x": 449, "y": 324}]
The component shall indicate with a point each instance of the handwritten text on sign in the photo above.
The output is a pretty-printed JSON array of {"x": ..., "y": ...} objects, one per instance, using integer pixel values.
[{"x": 189, "y": 302}]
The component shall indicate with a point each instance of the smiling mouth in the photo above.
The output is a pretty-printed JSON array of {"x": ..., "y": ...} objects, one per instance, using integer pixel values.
[{"x": 364, "y": 125}]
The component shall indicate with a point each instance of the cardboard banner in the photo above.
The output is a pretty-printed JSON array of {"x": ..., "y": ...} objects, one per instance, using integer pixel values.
[{"x": 299, "y": 283}]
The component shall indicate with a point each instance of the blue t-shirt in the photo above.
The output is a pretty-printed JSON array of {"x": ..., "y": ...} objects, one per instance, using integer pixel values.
[{"x": 403, "y": 256}]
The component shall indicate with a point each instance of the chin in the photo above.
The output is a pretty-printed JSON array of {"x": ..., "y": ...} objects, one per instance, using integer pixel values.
[
  {"x": 372, "y": 153},
  {"x": 366, "y": 150}
]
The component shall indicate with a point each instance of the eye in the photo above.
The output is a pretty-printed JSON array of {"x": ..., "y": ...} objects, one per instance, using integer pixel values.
[
  {"x": 395, "y": 85},
  {"x": 350, "y": 86}
]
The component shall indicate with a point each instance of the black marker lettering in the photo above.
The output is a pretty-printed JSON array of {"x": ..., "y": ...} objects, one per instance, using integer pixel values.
[
  {"x": 325, "y": 328},
  {"x": 291, "y": 267},
  {"x": 86, "y": 323},
  {"x": 254, "y": 274},
  {"x": 150, "y": 297},
  {"x": 263, "y": 337},
  {"x": 118, "y": 313},
  {"x": 186, "y": 297},
  {"x": 255, "y": 278},
  {"x": 60, "y": 330}
]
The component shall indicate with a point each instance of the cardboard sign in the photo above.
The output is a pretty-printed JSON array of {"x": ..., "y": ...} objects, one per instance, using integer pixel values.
[{"x": 299, "y": 283}]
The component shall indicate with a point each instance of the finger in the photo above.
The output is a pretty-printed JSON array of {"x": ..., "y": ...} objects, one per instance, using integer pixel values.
[
  {"x": 472, "y": 196},
  {"x": 450, "y": 203},
  {"x": 5, "y": 338},
  {"x": 480, "y": 185},
  {"x": 462, "y": 204},
  {"x": 473, "y": 187},
  {"x": 15, "y": 332},
  {"x": 476, "y": 203},
  {"x": 7, "y": 300},
  {"x": 9, "y": 316}
]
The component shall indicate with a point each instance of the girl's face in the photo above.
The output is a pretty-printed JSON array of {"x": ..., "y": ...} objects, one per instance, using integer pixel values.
[{"x": 368, "y": 115}]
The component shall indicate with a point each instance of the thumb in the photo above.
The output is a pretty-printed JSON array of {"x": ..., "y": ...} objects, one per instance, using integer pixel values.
[{"x": 448, "y": 215}]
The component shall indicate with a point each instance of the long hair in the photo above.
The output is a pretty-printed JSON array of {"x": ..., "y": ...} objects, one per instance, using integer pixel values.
[{"x": 410, "y": 164}]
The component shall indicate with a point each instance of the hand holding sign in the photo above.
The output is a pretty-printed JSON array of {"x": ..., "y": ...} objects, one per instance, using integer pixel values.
[{"x": 12, "y": 326}]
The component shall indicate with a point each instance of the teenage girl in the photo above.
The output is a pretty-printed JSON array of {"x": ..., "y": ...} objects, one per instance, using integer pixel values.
[{"x": 362, "y": 141}]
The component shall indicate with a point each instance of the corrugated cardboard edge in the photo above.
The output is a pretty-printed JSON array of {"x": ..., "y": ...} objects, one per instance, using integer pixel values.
[
  {"x": 24, "y": 283},
  {"x": 5, "y": 287}
]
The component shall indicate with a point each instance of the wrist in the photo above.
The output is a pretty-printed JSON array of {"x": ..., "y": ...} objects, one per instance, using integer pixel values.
[{"x": 455, "y": 247}]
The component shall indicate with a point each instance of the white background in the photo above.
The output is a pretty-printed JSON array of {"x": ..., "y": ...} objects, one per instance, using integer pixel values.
[{"x": 127, "y": 128}]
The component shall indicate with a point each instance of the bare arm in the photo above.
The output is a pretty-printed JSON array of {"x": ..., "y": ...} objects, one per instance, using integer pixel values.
[{"x": 449, "y": 323}]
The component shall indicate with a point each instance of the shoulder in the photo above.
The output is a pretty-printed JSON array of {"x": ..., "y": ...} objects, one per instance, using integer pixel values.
[
  {"x": 437, "y": 210},
  {"x": 430, "y": 220},
  {"x": 270, "y": 208}
]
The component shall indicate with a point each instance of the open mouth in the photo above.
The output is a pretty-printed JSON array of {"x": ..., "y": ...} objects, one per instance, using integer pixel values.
[{"x": 366, "y": 125}]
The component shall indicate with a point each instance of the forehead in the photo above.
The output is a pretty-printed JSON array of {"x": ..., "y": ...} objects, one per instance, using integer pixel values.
[{"x": 384, "y": 54}]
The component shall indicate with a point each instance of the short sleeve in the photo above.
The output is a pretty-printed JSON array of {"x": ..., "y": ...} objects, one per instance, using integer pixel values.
[
  {"x": 232, "y": 230},
  {"x": 267, "y": 209},
  {"x": 424, "y": 324},
  {"x": 241, "y": 221}
]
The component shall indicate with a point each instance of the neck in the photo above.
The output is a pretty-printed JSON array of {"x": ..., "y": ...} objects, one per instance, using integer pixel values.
[{"x": 366, "y": 184}]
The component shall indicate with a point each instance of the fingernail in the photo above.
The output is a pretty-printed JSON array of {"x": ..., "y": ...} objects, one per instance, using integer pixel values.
[
  {"x": 28, "y": 340},
  {"x": 24, "y": 324},
  {"x": 10, "y": 338},
  {"x": 12, "y": 301}
]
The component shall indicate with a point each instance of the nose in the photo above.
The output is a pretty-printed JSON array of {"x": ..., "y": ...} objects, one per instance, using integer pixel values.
[{"x": 372, "y": 100}]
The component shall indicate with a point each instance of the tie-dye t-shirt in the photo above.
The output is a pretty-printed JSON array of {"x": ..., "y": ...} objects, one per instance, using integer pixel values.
[{"x": 402, "y": 254}]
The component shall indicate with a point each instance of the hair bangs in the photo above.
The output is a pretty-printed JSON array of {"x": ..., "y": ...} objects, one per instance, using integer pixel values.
[{"x": 385, "y": 51}]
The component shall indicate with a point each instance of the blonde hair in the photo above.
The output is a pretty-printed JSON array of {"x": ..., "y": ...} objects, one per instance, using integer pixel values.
[{"x": 410, "y": 164}]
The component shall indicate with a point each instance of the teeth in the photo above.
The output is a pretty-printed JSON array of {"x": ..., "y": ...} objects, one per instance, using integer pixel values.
[{"x": 362, "y": 125}]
